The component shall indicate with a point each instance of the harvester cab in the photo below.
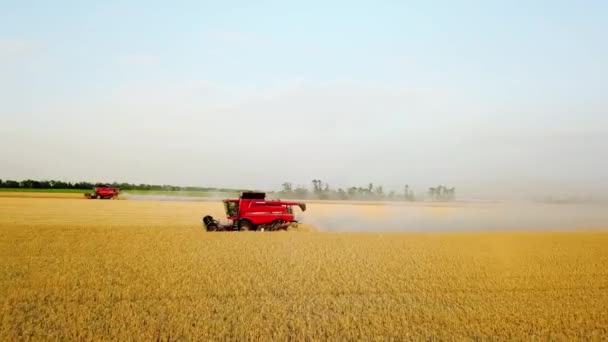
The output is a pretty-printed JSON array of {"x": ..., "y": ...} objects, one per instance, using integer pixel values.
[{"x": 251, "y": 211}]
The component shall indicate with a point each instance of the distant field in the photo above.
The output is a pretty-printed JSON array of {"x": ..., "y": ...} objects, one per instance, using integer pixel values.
[
  {"x": 40, "y": 195},
  {"x": 68, "y": 191},
  {"x": 180, "y": 193},
  {"x": 134, "y": 192},
  {"x": 121, "y": 270}
]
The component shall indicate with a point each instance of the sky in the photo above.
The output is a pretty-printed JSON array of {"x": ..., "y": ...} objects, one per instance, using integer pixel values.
[{"x": 492, "y": 97}]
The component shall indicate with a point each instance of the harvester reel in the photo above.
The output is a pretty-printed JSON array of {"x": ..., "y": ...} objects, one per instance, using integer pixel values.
[
  {"x": 211, "y": 224},
  {"x": 278, "y": 225}
]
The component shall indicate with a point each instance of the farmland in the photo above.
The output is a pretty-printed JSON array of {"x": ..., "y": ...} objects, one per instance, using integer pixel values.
[
  {"x": 56, "y": 191},
  {"x": 74, "y": 269},
  {"x": 127, "y": 192}
]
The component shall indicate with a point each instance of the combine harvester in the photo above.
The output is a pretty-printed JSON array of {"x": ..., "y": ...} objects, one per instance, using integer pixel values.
[
  {"x": 253, "y": 212},
  {"x": 103, "y": 192}
]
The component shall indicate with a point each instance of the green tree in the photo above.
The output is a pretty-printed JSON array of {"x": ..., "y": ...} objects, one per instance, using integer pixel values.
[
  {"x": 451, "y": 194},
  {"x": 352, "y": 192},
  {"x": 287, "y": 187},
  {"x": 11, "y": 184},
  {"x": 433, "y": 193},
  {"x": 408, "y": 194},
  {"x": 301, "y": 192},
  {"x": 316, "y": 185}
]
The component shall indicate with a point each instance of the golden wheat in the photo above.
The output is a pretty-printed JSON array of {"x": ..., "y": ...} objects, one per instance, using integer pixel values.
[{"x": 74, "y": 269}]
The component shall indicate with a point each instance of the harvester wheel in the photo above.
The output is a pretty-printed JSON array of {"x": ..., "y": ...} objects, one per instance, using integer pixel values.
[{"x": 245, "y": 225}]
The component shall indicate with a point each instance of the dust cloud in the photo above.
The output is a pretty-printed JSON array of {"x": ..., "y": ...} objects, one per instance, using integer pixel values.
[
  {"x": 353, "y": 216},
  {"x": 462, "y": 217},
  {"x": 177, "y": 196}
]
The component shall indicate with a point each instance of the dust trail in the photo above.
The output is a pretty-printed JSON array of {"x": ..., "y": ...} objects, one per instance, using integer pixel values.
[
  {"x": 391, "y": 217},
  {"x": 177, "y": 197},
  {"x": 334, "y": 216}
]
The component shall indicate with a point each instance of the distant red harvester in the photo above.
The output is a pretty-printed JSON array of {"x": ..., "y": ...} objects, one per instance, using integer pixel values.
[
  {"x": 103, "y": 192},
  {"x": 253, "y": 212}
]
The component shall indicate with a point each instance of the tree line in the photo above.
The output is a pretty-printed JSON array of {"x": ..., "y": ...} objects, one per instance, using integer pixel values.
[
  {"x": 322, "y": 190},
  {"x": 57, "y": 184},
  {"x": 319, "y": 190}
]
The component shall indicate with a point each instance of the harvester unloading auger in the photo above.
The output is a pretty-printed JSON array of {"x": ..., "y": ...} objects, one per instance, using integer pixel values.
[{"x": 253, "y": 212}]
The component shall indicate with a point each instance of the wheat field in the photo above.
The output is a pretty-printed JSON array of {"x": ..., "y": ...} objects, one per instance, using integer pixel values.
[{"x": 73, "y": 269}]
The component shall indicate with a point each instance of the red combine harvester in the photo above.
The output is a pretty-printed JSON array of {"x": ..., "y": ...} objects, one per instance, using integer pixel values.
[
  {"x": 253, "y": 212},
  {"x": 103, "y": 192}
]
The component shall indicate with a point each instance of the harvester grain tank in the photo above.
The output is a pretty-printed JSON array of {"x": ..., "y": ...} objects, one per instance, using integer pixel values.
[{"x": 251, "y": 211}]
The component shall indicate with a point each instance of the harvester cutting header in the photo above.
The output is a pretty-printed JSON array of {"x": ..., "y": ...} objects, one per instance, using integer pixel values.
[{"x": 253, "y": 212}]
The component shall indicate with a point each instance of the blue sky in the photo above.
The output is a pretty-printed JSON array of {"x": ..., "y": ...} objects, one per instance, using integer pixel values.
[{"x": 468, "y": 93}]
